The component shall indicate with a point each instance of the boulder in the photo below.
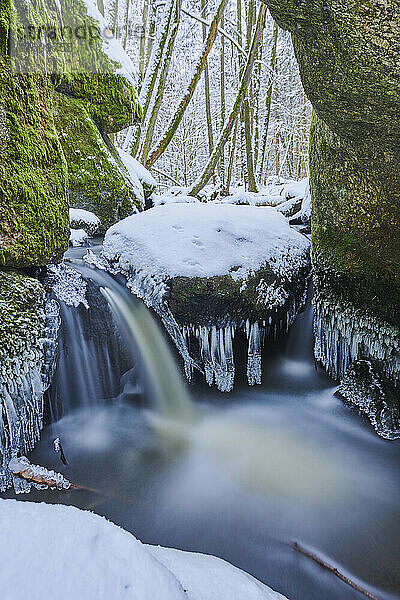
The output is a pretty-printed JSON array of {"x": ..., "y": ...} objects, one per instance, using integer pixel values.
[{"x": 211, "y": 269}]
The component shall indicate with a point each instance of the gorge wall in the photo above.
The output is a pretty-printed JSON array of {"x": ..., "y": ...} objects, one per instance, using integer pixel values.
[
  {"x": 49, "y": 99},
  {"x": 349, "y": 58}
]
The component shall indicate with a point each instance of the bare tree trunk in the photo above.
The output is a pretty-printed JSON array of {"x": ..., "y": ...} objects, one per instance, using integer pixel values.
[
  {"x": 177, "y": 118},
  {"x": 223, "y": 105},
  {"x": 128, "y": 10},
  {"x": 210, "y": 167},
  {"x": 207, "y": 87},
  {"x": 142, "y": 46},
  {"x": 268, "y": 102},
  {"x": 162, "y": 81},
  {"x": 247, "y": 114},
  {"x": 225, "y": 191}
]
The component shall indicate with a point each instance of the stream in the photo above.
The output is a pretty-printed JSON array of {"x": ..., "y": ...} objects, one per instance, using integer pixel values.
[{"x": 235, "y": 475}]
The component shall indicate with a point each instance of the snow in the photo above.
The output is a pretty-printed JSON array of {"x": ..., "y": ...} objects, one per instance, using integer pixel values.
[
  {"x": 77, "y": 237},
  {"x": 135, "y": 169},
  {"x": 67, "y": 285},
  {"x": 71, "y": 553},
  {"x": 253, "y": 199},
  {"x": 78, "y": 216},
  {"x": 170, "y": 198},
  {"x": 204, "y": 240},
  {"x": 111, "y": 46}
]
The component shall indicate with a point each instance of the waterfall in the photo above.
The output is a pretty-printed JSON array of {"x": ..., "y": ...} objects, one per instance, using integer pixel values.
[
  {"x": 170, "y": 396},
  {"x": 111, "y": 346}
]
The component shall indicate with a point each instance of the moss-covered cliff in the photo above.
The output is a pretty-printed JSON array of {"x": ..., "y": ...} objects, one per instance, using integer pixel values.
[
  {"x": 33, "y": 173},
  {"x": 349, "y": 58}
]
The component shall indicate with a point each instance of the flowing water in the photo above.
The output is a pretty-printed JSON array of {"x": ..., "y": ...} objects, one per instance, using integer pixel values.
[{"x": 235, "y": 475}]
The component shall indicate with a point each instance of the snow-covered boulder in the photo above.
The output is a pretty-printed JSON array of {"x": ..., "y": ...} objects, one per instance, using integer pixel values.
[
  {"x": 210, "y": 269},
  {"x": 71, "y": 553},
  {"x": 253, "y": 199},
  {"x": 77, "y": 237},
  {"x": 293, "y": 193},
  {"x": 84, "y": 219}
]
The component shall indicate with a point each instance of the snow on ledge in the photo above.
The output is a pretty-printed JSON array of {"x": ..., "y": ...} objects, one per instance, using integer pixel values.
[
  {"x": 204, "y": 240},
  {"x": 83, "y": 216},
  {"x": 136, "y": 169},
  {"x": 63, "y": 552}
]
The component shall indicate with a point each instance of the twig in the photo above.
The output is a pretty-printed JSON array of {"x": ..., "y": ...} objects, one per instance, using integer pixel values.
[
  {"x": 59, "y": 449},
  {"x": 331, "y": 569}
]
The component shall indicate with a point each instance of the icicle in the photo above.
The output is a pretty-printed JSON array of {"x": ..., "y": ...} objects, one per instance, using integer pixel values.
[
  {"x": 23, "y": 380},
  {"x": 254, "y": 355},
  {"x": 344, "y": 334}
]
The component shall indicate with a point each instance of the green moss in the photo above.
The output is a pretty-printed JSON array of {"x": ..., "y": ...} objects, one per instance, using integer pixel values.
[
  {"x": 221, "y": 300},
  {"x": 349, "y": 58},
  {"x": 21, "y": 313},
  {"x": 96, "y": 181},
  {"x": 33, "y": 174},
  {"x": 109, "y": 99}
]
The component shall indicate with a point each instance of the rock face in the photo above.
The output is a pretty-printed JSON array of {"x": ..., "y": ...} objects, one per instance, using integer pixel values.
[
  {"x": 97, "y": 180},
  {"x": 210, "y": 271},
  {"x": 33, "y": 178},
  {"x": 349, "y": 57},
  {"x": 92, "y": 87},
  {"x": 28, "y": 337}
]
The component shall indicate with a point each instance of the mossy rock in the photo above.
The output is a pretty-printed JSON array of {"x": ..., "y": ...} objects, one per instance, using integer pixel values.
[
  {"x": 108, "y": 98},
  {"x": 96, "y": 176},
  {"x": 22, "y": 327},
  {"x": 33, "y": 176},
  {"x": 349, "y": 58},
  {"x": 223, "y": 300},
  {"x": 21, "y": 313}
]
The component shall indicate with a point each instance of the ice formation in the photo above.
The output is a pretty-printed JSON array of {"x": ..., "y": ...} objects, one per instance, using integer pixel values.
[
  {"x": 36, "y": 476},
  {"x": 24, "y": 377},
  {"x": 345, "y": 336},
  {"x": 364, "y": 386},
  {"x": 68, "y": 285},
  {"x": 206, "y": 240}
]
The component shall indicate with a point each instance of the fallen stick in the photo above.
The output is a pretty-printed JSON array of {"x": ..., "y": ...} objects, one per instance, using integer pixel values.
[
  {"x": 333, "y": 570},
  {"x": 59, "y": 449},
  {"x": 35, "y": 474}
]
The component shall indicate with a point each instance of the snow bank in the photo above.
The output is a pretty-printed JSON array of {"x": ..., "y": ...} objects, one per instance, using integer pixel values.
[
  {"x": 71, "y": 553},
  {"x": 84, "y": 219},
  {"x": 204, "y": 240},
  {"x": 253, "y": 199},
  {"x": 77, "y": 237}
]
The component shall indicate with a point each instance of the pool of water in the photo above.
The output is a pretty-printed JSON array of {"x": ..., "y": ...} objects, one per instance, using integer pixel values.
[{"x": 255, "y": 469}]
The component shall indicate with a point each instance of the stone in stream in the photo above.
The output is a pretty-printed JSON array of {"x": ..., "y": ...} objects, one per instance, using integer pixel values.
[
  {"x": 210, "y": 270},
  {"x": 349, "y": 59}
]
